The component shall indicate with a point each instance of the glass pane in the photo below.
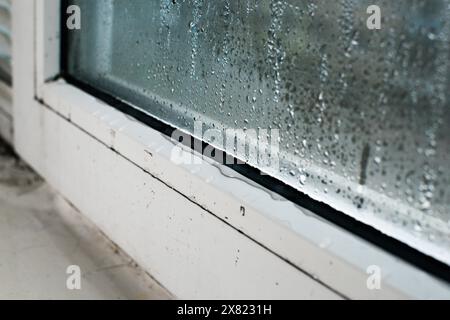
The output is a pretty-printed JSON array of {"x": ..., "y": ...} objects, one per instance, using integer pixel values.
[
  {"x": 5, "y": 41},
  {"x": 363, "y": 115}
]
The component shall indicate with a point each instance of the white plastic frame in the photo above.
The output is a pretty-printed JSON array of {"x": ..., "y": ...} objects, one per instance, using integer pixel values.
[{"x": 184, "y": 224}]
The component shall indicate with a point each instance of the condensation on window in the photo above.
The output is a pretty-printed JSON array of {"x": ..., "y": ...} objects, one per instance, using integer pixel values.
[
  {"x": 5, "y": 41},
  {"x": 364, "y": 115}
]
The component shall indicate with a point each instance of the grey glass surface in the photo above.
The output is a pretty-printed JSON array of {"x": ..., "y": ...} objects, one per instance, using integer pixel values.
[
  {"x": 5, "y": 41},
  {"x": 364, "y": 115}
]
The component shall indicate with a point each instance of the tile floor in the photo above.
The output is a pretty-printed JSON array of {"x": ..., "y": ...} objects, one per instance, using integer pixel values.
[{"x": 41, "y": 236}]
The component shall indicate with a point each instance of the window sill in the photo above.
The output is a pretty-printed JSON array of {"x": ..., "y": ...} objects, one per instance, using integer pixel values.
[{"x": 303, "y": 240}]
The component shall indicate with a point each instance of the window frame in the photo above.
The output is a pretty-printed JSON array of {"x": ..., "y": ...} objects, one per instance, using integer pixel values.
[{"x": 55, "y": 122}]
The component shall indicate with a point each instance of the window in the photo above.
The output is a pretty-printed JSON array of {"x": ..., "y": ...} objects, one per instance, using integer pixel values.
[
  {"x": 363, "y": 115},
  {"x": 5, "y": 71},
  {"x": 5, "y": 41}
]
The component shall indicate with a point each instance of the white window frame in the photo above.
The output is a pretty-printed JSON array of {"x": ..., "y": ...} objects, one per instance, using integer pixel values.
[{"x": 182, "y": 223}]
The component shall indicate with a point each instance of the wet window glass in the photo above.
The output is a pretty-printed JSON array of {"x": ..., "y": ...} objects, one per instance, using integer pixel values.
[
  {"x": 354, "y": 100},
  {"x": 5, "y": 41}
]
